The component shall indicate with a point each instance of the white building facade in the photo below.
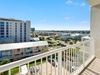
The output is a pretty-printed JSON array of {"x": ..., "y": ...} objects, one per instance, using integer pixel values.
[{"x": 17, "y": 29}]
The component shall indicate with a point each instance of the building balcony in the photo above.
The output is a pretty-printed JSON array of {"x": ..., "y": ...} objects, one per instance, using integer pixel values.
[{"x": 69, "y": 60}]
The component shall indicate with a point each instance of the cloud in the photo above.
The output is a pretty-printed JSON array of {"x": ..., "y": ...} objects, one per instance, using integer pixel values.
[
  {"x": 84, "y": 22},
  {"x": 75, "y": 3},
  {"x": 67, "y": 18},
  {"x": 43, "y": 20},
  {"x": 69, "y": 2},
  {"x": 82, "y": 4}
]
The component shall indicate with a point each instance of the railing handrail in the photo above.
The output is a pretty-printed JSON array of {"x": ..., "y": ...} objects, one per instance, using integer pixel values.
[{"x": 36, "y": 57}]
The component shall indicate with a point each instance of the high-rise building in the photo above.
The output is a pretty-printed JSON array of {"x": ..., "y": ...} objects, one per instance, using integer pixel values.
[
  {"x": 32, "y": 29},
  {"x": 18, "y": 30}
]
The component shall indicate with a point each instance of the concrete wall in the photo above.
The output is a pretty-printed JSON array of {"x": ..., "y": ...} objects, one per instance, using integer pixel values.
[{"x": 95, "y": 28}]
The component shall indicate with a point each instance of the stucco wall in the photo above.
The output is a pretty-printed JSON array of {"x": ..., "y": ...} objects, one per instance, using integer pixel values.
[{"x": 95, "y": 28}]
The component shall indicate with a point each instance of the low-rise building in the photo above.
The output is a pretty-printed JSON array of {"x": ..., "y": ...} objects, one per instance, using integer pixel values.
[
  {"x": 64, "y": 36},
  {"x": 19, "y": 53}
]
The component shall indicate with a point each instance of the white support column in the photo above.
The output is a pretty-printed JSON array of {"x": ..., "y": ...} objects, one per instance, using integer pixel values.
[
  {"x": 95, "y": 27},
  {"x": 60, "y": 63}
]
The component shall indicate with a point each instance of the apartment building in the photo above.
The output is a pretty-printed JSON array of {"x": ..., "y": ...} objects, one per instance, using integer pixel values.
[{"x": 18, "y": 30}]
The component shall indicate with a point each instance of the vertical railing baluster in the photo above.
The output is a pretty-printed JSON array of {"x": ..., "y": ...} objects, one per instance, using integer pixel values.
[
  {"x": 55, "y": 63},
  {"x": 9, "y": 72},
  {"x": 83, "y": 54},
  {"x": 35, "y": 68},
  {"x": 64, "y": 63},
  {"x": 75, "y": 60},
  {"x": 46, "y": 65},
  {"x": 60, "y": 63},
  {"x": 28, "y": 69},
  {"x": 19, "y": 70},
  {"x": 71, "y": 60},
  {"x": 51, "y": 64},
  {"x": 41, "y": 66}
]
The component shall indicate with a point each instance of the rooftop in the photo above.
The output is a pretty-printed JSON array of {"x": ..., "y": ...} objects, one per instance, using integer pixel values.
[{"x": 10, "y": 19}]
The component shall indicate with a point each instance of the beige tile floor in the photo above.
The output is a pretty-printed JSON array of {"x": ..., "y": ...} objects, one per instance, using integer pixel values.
[
  {"x": 51, "y": 70},
  {"x": 93, "y": 68}
]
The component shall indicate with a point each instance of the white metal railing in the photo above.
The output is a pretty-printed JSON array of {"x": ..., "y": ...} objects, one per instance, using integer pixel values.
[{"x": 69, "y": 60}]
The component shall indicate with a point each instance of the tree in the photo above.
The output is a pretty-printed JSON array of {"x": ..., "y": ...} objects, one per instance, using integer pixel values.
[
  {"x": 2, "y": 63},
  {"x": 32, "y": 35},
  {"x": 42, "y": 38},
  {"x": 48, "y": 38},
  {"x": 36, "y": 35},
  {"x": 70, "y": 43}
]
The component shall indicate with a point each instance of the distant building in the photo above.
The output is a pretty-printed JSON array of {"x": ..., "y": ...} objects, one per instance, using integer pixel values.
[
  {"x": 18, "y": 30},
  {"x": 73, "y": 36},
  {"x": 85, "y": 38},
  {"x": 32, "y": 29},
  {"x": 64, "y": 36}
]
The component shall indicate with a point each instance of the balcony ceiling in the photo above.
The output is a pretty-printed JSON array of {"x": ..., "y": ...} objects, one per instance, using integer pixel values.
[{"x": 93, "y": 2}]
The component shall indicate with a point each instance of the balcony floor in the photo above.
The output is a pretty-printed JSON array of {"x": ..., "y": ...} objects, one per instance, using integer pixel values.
[{"x": 93, "y": 68}]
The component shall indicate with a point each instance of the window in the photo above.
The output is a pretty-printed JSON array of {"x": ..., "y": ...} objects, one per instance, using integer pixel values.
[
  {"x": 2, "y": 36},
  {"x": 28, "y": 48},
  {"x": 7, "y": 23},
  {"x": 20, "y": 24},
  {"x": 2, "y": 23},
  {"x": 18, "y": 50}
]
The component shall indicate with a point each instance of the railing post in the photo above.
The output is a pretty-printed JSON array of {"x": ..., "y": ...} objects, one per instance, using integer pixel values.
[
  {"x": 19, "y": 69},
  {"x": 60, "y": 63},
  {"x": 83, "y": 54},
  {"x": 9, "y": 72},
  {"x": 28, "y": 68}
]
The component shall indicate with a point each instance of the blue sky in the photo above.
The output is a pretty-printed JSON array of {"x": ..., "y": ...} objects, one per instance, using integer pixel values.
[{"x": 49, "y": 14}]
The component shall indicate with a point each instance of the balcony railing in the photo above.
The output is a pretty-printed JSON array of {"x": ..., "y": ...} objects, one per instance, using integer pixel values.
[{"x": 69, "y": 60}]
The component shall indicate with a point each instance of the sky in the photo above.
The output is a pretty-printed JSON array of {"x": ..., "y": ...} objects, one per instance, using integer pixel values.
[{"x": 49, "y": 14}]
